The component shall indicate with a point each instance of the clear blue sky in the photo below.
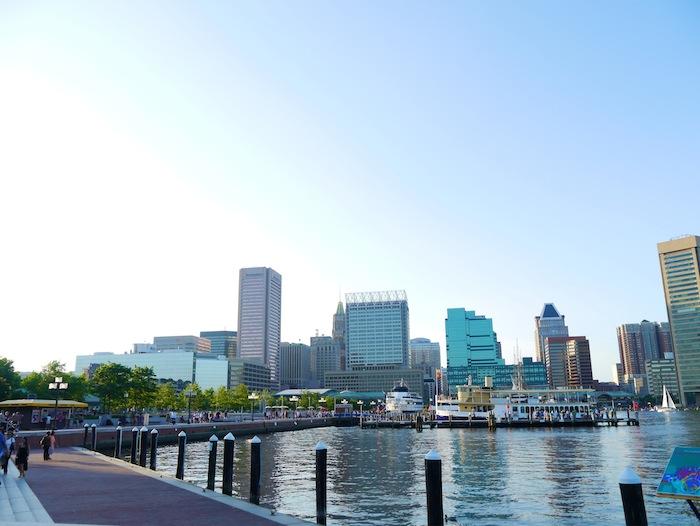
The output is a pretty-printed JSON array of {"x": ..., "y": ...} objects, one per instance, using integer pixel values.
[{"x": 491, "y": 155}]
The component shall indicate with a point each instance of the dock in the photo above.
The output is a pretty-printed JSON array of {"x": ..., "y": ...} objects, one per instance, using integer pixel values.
[
  {"x": 483, "y": 424},
  {"x": 83, "y": 487}
]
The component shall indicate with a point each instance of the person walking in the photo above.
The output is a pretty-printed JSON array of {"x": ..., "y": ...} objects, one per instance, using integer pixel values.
[
  {"x": 10, "y": 446},
  {"x": 22, "y": 458},
  {"x": 3, "y": 447},
  {"x": 45, "y": 444},
  {"x": 53, "y": 443}
]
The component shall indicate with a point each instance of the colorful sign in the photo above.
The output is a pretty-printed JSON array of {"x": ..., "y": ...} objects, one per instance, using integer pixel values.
[{"x": 681, "y": 479}]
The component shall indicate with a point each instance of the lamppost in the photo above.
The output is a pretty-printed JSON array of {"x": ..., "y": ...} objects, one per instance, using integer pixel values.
[
  {"x": 361, "y": 403},
  {"x": 57, "y": 385},
  {"x": 373, "y": 404},
  {"x": 294, "y": 399},
  {"x": 321, "y": 401},
  {"x": 252, "y": 397},
  {"x": 190, "y": 394}
]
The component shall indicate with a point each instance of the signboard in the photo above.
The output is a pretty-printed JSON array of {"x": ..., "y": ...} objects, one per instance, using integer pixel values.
[{"x": 681, "y": 479}]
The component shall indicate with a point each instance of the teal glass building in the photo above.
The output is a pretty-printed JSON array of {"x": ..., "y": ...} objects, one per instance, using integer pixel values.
[{"x": 470, "y": 339}]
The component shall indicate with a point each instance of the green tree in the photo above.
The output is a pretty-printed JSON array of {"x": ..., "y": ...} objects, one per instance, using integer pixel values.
[
  {"x": 142, "y": 387},
  {"x": 166, "y": 397},
  {"x": 110, "y": 382},
  {"x": 205, "y": 400},
  {"x": 223, "y": 399},
  {"x": 9, "y": 379},
  {"x": 36, "y": 384},
  {"x": 240, "y": 396}
]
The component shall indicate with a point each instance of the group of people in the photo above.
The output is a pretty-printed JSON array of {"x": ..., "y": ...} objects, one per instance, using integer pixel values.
[
  {"x": 8, "y": 446},
  {"x": 10, "y": 420}
]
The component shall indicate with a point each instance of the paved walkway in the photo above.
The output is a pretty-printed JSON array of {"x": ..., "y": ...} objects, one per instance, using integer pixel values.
[
  {"x": 82, "y": 487},
  {"x": 17, "y": 502}
]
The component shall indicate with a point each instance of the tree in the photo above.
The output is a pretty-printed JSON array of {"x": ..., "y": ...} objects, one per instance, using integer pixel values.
[
  {"x": 223, "y": 399},
  {"x": 9, "y": 379},
  {"x": 240, "y": 396},
  {"x": 205, "y": 400},
  {"x": 110, "y": 382},
  {"x": 37, "y": 384},
  {"x": 165, "y": 397},
  {"x": 142, "y": 387}
]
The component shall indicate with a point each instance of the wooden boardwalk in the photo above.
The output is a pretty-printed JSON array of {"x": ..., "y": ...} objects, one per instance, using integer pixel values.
[{"x": 81, "y": 487}]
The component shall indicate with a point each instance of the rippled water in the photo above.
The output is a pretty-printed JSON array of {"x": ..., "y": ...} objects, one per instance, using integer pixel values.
[{"x": 517, "y": 476}]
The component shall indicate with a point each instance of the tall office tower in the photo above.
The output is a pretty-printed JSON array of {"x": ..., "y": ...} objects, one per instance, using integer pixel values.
[
  {"x": 555, "y": 360},
  {"x": 470, "y": 339},
  {"x": 680, "y": 273},
  {"x": 376, "y": 330},
  {"x": 339, "y": 332},
  {"x": 663, "y": 331},
  {"x": 649, "y": 331},
  {"x": 325, "y": 358},
  {"x": 223, "y": 343},
  {"x": 424, "y": 354},
  {"x": 579, "y": 372},
  {"x": 548, "y": 324},
  {"x": 260, "y": 317},
  {"x": 295, "y": 365},
  {"x": 629, "y": 342}
]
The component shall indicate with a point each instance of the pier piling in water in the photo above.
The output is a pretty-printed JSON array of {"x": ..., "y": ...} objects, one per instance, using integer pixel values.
[
  {"x": 143, "y": 449},
  {"x": 321, "y": 486},
  {"x": 632, "y": 498},
  {"x": 433, "y": 488},
  {"x": 134, "y": 443},
  {"x": 94, "y": 437},
  {"x": 181, "y": 442},
  {"x": 227, "y": 484},
  {"x": 85, "y": 440},
  {"x": 154, "y": 449},
  {"x": 211, "y": 472},
  {"x": 255, "y": 464},
  {"x": 118, "y": 443}
]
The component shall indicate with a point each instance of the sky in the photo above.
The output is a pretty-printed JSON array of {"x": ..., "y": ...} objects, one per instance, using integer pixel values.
[{"x": 487, "y": 155}]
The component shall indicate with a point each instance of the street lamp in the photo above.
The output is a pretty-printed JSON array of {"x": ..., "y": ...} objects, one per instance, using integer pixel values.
[
  {"x": 294, "y": 399},
  {"x": 57, "y": 385},
  {"x": 252, "y": 397},
  {"x": 321, "y": 401},
  {"x": 190, "y": 394}
]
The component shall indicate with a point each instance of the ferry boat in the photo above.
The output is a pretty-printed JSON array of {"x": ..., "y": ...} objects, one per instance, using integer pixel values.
[
  {"x": 472, "y": 403},
  {"x": 401, "y": 400}
]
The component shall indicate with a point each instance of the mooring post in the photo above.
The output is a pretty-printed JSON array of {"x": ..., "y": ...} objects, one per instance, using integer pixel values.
[
  {"x": 118, "y": 443},
  {"x": 94, "y": 437},
  {"x": 227, "y": 484},
  {"x": 134, "y": 443},
  {"x": 143, "y": 449},
  {"x": 433, "y": 488},
  {"x": 154, "y": 447},
  {"x": 85, "y": 440},
  {"x": 632, "y": 498},
  {"x": 211, "y": 473},
  {"x": 321, "y": 478},
  {"x": 181, "y": 442},
  {"x": 255, "y": 463}
]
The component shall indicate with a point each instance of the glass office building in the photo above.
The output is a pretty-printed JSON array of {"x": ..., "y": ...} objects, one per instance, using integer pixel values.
[
  {"x": 532, "y": 374},
  {"x": 549, "y": 324},
  {"x": 680, "y": 272},
  {"x": 377, "y": 330},
  {"x": 223, "y": 343}
]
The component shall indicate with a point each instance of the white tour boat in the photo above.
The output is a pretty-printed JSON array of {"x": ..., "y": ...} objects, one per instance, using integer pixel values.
[{"x": 401, "y": 400}]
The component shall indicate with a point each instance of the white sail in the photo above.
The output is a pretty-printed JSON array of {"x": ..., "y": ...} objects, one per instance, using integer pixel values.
[{"x": 667, "y": 400}]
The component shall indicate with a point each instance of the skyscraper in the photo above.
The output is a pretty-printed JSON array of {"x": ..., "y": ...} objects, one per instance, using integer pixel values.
[
  {"x": 325, "y": 357},
  {"x": 639, "y": 342},
  {"x": 471, "y": 340},
  {"x": 295, "y": 365},
  {"x": 339, "y": 332},
  {"x": 680, "y": 273},
  {"x": 424, "y": 354},
  {"x": 376, "y": 329},
  {"x": 579, "y": 372},
  {"x": 223, "y": 343},
  {"x": 259, "y": 317},
  {"x": 548, "y": 323}
]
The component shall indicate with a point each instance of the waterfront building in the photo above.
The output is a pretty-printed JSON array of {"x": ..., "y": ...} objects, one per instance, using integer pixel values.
[
  {"x": 376, "y": 329},
  {"x": 339, "y": 333},
  {"x": 617, "y": 373},
  {"x": 532, "y": 374},
  {"x": 374, "y": 379},
  {"x": 325, "y": 357},
  {"x": 223, "y": 343},
  {"x": 662, "y": 373},
  {"x": 579, "y": 372},
  {"x": 181, "y": 343},
  {"x": 639, "y": 342},
  {"x": 549, "y": 324},
  {"x": 555, "y": 360},
  {"x": 204, "y": 369},
  {"x": 252, "y": 374},
  {"x": 680, "y": 272},
  {"x": 424, "y": 354},
  {"x": 143, "y": 348},
  {"x": 470, "y": 339},
  {"x": 260, "y": 317},
  {"x": 295, "y": 365}
]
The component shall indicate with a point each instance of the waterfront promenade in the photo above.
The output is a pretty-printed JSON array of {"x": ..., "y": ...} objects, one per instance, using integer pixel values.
[{"x": 82, "y": 487}]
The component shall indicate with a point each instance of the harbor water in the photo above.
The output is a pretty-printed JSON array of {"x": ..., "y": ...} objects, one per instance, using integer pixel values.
[{"x": 511, "y": 476}]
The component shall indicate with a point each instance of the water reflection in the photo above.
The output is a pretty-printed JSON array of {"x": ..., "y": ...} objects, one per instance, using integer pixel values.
[{"x": 518, "y": 476}]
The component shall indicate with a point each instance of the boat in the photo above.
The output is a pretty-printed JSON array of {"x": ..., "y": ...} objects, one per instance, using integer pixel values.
[
  {"x": 401, "y": 400},
  {"x": 667, "y": 404},
  {"x": 472, "y": 403}
]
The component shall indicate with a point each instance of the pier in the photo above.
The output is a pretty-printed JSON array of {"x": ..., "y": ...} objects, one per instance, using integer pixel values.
[
  {"x": 83, "y": 487},
  {"x": 373, "y": 423}
]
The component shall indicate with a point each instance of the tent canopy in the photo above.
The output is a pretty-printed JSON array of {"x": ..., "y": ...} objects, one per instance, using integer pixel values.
[{"x": 62, "y": 404}]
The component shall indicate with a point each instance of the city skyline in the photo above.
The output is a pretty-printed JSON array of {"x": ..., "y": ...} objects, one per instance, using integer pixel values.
[{"x": 140, "y": 172}]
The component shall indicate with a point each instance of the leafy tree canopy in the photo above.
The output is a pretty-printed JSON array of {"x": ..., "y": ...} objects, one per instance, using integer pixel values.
[{"x": 9, "y": 379}]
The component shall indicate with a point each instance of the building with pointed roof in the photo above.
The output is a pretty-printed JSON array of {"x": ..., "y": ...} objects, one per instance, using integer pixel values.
[
  {"x": 549, "y": 324},
  {"x": 339, "y": 333}
]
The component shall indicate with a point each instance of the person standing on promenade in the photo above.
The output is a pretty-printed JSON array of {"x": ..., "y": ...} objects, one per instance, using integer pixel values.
[
  {"x": 10, "y": 447},
  {"x": 3, "y": 447},
  {"x": 22, "y": 458},
  {"x": 53, "y": 443},
  {"x": 45, "y": 443}
]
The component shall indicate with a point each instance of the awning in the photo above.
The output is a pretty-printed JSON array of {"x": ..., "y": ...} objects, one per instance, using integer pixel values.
[{"x": 62, "y": 404}]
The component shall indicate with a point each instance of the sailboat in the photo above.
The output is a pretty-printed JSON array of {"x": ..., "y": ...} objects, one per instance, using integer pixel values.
[{"x": 667, "y": 405}]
